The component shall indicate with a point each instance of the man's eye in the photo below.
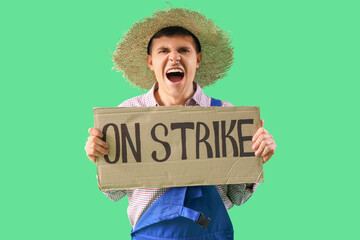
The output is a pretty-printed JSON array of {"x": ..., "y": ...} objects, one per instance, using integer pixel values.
[{"x": 184, "y": 50}]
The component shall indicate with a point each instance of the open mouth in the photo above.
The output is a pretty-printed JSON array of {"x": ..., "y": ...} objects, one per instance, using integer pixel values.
[{"x": 175, "y": 75}]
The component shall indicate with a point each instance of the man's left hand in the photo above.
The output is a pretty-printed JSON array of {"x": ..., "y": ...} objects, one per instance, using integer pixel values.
[{"x": 264, "y": 144}]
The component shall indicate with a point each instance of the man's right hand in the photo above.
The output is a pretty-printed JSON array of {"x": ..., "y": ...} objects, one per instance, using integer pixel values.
[{"x": 95, "y": 147}]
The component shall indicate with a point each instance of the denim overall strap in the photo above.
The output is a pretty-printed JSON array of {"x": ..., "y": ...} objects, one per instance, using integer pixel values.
[
  {"x": 215, "y": 102},
  {"x": 169, "y": 206}
]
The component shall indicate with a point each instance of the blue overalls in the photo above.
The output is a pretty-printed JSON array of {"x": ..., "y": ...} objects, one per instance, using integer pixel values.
[{"x": 186, "y": 213}]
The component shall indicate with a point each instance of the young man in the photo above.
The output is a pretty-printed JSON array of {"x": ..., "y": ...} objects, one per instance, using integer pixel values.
[{"x": 177, "y": 71}]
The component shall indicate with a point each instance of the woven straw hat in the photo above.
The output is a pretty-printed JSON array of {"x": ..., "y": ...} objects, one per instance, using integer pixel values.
[{"x": 130, "y": 56}]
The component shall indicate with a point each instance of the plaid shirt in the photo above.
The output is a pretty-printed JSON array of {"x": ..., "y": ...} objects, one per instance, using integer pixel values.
[{"x": 141, "y": 199}]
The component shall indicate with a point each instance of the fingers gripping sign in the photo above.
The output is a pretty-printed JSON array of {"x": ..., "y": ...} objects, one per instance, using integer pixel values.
[
  {"x": 264, "y": 144},
  {"x": 95, "y": 147}
]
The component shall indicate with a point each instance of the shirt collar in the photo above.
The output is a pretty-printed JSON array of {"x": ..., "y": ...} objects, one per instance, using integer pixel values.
[
  {"x": 196, "y": 100},
  {"x": 150, "y": 97}
]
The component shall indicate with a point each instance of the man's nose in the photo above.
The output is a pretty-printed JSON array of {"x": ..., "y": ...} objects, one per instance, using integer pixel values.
[{"x": 174, "y": 56}]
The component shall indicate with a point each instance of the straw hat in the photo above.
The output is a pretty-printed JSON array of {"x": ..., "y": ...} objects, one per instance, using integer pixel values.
[{"x": 130, "y": 56}]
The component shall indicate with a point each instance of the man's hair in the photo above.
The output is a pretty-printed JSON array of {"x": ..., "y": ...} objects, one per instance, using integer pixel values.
[{"x": 174, "y": 31}]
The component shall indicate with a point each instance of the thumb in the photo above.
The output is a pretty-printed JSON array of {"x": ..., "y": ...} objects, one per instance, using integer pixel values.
[{"x": 262, "y": 122}]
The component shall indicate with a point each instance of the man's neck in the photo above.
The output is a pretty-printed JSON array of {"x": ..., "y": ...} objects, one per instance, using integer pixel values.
[
  {"x": 170, "y": 101},
  {"x": 166, "y": 100}
]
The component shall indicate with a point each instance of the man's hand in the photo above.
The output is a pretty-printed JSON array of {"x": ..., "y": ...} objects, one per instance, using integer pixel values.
[
  {"x": 264, "y": 143},
  {"x": 95, "y": 147}
]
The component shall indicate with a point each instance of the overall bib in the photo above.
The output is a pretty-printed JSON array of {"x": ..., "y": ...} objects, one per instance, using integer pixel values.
[{"x": 186, "y": 213}]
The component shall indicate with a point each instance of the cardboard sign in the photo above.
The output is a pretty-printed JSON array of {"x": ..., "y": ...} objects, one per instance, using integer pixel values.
[{"x": 153, "y": 147}]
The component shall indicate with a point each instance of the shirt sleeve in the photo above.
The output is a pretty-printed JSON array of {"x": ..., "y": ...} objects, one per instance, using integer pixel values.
[
  {"x": 240, "y": 193},
  {"x": 226, "y": 104},
  {"x": 114, "y": 195}
]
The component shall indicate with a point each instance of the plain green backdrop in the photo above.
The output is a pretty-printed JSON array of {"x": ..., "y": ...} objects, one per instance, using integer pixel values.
[{"x": 297, "y": 60}]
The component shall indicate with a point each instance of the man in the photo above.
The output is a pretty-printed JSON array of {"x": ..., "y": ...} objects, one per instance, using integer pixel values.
[{"x": 177, "y": 71}]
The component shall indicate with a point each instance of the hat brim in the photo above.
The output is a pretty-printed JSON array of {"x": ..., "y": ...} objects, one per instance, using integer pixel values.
[{"x": 130, "y": 56}]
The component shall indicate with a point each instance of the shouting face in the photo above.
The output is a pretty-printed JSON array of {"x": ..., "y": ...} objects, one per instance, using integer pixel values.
[{"x": 174, "y": 61}]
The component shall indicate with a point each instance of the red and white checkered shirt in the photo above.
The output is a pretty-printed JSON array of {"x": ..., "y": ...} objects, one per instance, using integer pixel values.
[{"x": 141, "y": 199}]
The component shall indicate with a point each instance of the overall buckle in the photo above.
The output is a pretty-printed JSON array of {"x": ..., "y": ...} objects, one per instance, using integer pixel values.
[{"x": 203, "y": 221}]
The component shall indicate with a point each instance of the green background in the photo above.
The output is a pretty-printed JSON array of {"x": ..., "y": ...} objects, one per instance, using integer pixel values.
[{"x": 297, "y": 60}]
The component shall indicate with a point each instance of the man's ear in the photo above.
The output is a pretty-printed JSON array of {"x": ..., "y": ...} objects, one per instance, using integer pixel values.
[
  {"x": 198, "y": 60},
  {"x": 149, "y": 62}
]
